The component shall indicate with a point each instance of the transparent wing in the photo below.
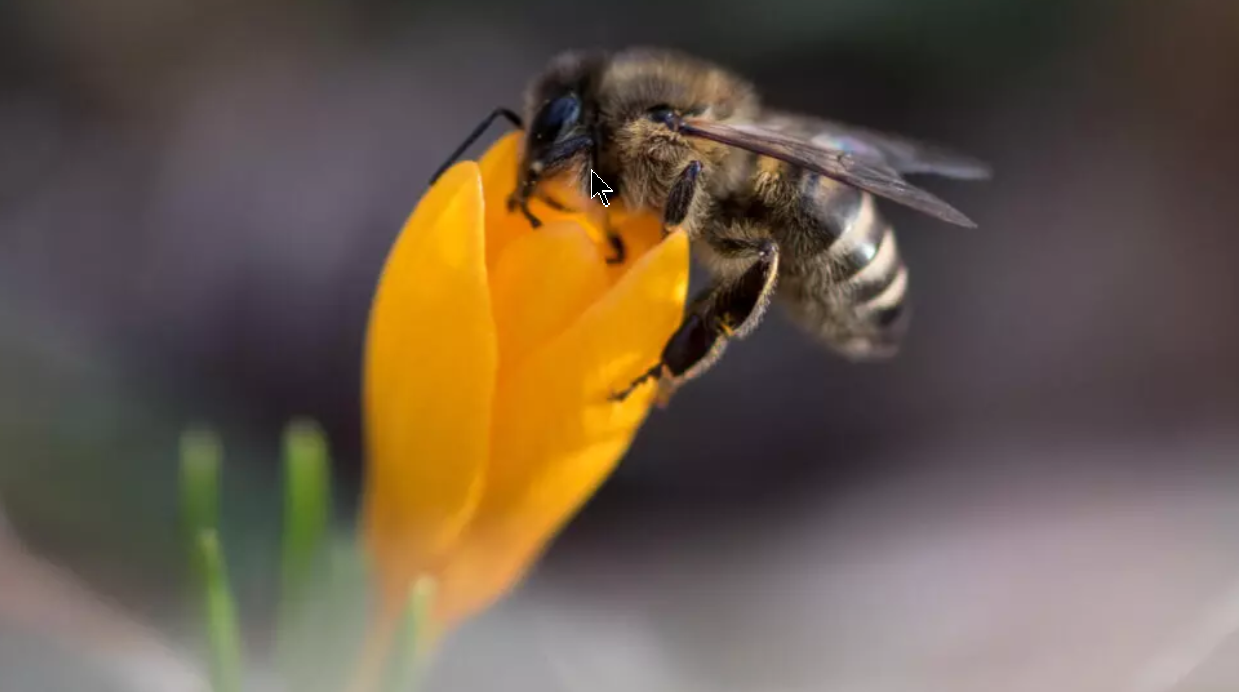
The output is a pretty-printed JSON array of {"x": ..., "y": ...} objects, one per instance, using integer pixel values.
[
  {"x": 904, "y": 154},
  {"x": 865, "y": 174}
]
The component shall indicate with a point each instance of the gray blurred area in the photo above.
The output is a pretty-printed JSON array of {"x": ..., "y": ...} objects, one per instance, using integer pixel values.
[{"x": 1041, "y": 493}]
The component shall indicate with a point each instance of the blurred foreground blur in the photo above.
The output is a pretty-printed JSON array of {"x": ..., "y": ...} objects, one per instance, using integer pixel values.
[{"x": 1041, "y": 493}]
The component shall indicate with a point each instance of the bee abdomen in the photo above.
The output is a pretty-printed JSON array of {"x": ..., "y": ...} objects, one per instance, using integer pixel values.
[
  {"x": 864, "y": 312},
  {"x": 865, "y": 256}
]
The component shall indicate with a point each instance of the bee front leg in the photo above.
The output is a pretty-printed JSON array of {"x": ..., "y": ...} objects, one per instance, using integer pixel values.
[
  {"x": 680, "y": 199},
  {"x": 617, "y": 245},
  {"x": 718, "y": 314},
  {"x": 553, "y": 203}
]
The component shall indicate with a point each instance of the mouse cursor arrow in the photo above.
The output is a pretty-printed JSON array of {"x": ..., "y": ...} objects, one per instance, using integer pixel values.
[{"x": 599, "y": 188}]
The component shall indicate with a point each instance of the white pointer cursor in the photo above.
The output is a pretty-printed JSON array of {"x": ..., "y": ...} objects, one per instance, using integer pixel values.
[{"x": 598, "y": 187}]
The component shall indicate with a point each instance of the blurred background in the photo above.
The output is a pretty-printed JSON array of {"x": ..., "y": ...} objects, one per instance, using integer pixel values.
[{"x": 1041, "y": 493}]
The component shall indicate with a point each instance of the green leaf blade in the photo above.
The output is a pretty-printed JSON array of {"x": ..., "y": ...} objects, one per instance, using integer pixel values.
[{"x": 221, "y": 616}]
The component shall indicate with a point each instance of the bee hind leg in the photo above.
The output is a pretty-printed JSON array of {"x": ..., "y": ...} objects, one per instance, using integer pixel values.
[
  {"x": 695, "y": 346},
  {"x": 718, "y": 314},
  {"x": 653, "y": 373},
  {"x": 743, "y": 301}
]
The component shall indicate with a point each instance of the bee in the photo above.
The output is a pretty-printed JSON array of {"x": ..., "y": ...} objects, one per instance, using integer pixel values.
[{"x": 774, "y": 203}]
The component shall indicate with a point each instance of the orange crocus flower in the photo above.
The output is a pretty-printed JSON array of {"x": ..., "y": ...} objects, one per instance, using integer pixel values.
[{"x": 492, "y": 350}]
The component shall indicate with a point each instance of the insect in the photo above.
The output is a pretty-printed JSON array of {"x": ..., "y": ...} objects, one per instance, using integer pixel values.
[{"x": 775, "y": 204}]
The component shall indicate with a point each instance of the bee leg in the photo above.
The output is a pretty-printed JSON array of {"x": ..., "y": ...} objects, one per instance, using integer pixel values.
[
  {"x": 691, "y": 342},
  {"x": 526, "y": 189},
  {"x": 680, "y": 199},
  {"x": 743, "y": 302},
  {"x": 694, "y": 348},
  {"x": 726, "y": 311},
  {"x": 698, "y": 342},
  {"x": 617, "y": 244},
  {"x": 652, "y": 373},
  {"x": 506, "y": 113},
  {"x": 518, "y": 201},
  {"x": 533, "y": 220},
  {"x": 613, "y": 238},
  {"x": 553, "y": 203}
]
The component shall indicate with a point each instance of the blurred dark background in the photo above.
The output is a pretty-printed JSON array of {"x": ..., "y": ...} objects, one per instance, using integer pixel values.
[{"x": 196, "y": 197}]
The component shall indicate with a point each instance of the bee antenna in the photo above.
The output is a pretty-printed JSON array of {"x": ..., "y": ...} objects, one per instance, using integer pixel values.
[{"x": 506, "y": 113}]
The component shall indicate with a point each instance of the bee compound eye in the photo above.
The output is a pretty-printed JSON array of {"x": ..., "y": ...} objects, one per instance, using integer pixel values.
[
  {"x": 664, "y": 114},
  {"x": 556, "y": 117}
]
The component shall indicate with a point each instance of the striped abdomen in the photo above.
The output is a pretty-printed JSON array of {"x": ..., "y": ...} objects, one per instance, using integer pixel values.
[{"x": 845, "y": 281}]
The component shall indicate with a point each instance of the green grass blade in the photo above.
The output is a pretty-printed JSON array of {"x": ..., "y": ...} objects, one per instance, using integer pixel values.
[
  {"x": 221, "y": 616},
  {"x": 303, "y": 558},
  {"x": 201, "y": 457},
  {"x": 307, "y": 505}
]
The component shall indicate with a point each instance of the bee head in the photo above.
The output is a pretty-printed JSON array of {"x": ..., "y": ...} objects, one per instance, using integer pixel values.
[
  {"x": 555, "y": 142},
  {"x": 559, "y": 137}
]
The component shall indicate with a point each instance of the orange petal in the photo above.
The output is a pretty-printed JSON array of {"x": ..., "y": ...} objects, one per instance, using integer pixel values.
[
  {"x": 541, "y": 284},
  {"x": 498, "y": 166},
  {"x": 430, "y": 368},
  {"x": 556, "y": 435}
]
